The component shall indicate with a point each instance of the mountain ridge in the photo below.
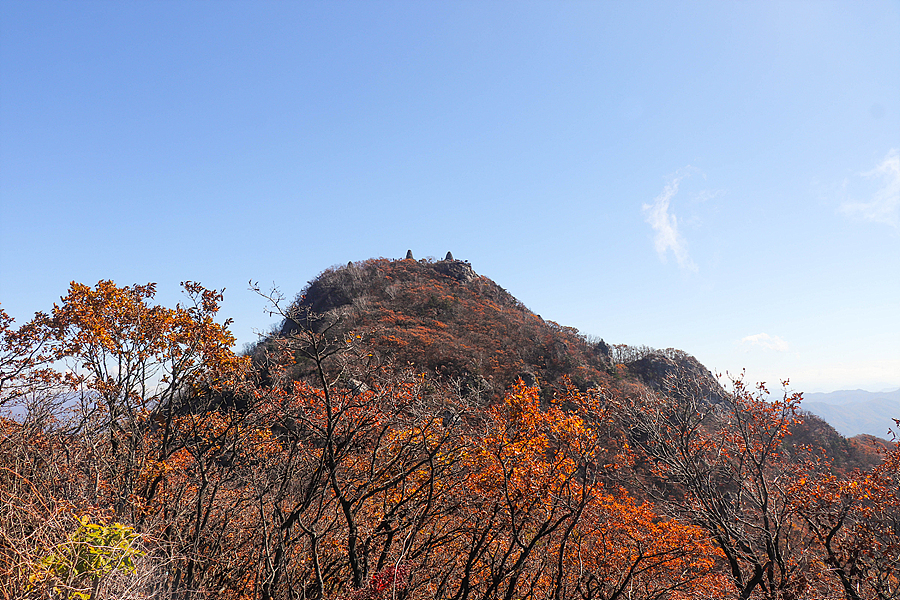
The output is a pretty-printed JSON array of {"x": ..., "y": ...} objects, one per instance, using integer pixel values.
[
  {"x": 443, "y": 318},
  {"x": 855, "y": 412}
]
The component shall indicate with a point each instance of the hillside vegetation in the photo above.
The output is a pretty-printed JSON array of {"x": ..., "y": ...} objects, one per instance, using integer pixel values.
[
  {"x": 443, "y": 318},
  {"x": 411, "y": 430}
]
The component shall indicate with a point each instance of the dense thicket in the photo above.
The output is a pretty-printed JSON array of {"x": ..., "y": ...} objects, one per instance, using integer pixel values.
[{"x": 141, "y": 458}]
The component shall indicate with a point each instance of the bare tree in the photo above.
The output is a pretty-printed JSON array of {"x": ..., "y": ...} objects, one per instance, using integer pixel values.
[{"x": 723, "y": 467}]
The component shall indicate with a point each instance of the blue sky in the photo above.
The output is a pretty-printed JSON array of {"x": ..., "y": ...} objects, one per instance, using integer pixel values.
[{"x": 721, "y": 177}]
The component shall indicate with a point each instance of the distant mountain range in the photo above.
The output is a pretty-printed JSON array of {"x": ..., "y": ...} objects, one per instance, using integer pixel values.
[{"x": 854, "y": 412}]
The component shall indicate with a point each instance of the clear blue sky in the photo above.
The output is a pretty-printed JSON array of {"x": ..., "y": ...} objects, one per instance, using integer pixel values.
[{"x": 721, "y": 177}]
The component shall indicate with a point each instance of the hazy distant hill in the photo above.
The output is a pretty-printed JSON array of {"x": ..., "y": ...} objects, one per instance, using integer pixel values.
[{"x": 853, "y": 412}]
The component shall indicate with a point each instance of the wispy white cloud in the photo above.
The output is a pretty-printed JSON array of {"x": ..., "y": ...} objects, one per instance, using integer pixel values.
[
  {"x": 706, "y": 195},
  {"x": 884, "y": 207},
  {"x": 665, "y": 224},
  {"x": 764, "y": 340}
]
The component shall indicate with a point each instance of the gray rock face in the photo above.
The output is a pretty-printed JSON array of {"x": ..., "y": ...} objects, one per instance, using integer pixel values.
[
  {"x": 528, "y": 378},
  {"x": 656, "y": 369},
  {"x": 409, "y": 255},
  {"x": 449, "y": 256},
  {"x": 457, "y": 269},
  {"x": 476, "y": 388},
  {"x": 357, "y": 386}
]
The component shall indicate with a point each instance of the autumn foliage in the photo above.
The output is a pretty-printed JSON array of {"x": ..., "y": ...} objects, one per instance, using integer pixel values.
[
  {"x": 452, "y": 323},
  {"x": 141, "y": 458}
]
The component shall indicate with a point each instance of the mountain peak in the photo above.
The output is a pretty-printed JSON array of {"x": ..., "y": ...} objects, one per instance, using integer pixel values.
[{"x": 442, "y": 317}]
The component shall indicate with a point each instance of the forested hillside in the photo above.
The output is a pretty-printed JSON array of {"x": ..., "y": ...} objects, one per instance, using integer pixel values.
[
  {"x": 411, "y": 430},
  {"x": 443, "y": 318}
]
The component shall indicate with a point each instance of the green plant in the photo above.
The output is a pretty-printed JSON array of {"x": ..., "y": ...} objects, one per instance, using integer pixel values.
[{"x": 90, "y": 554}]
